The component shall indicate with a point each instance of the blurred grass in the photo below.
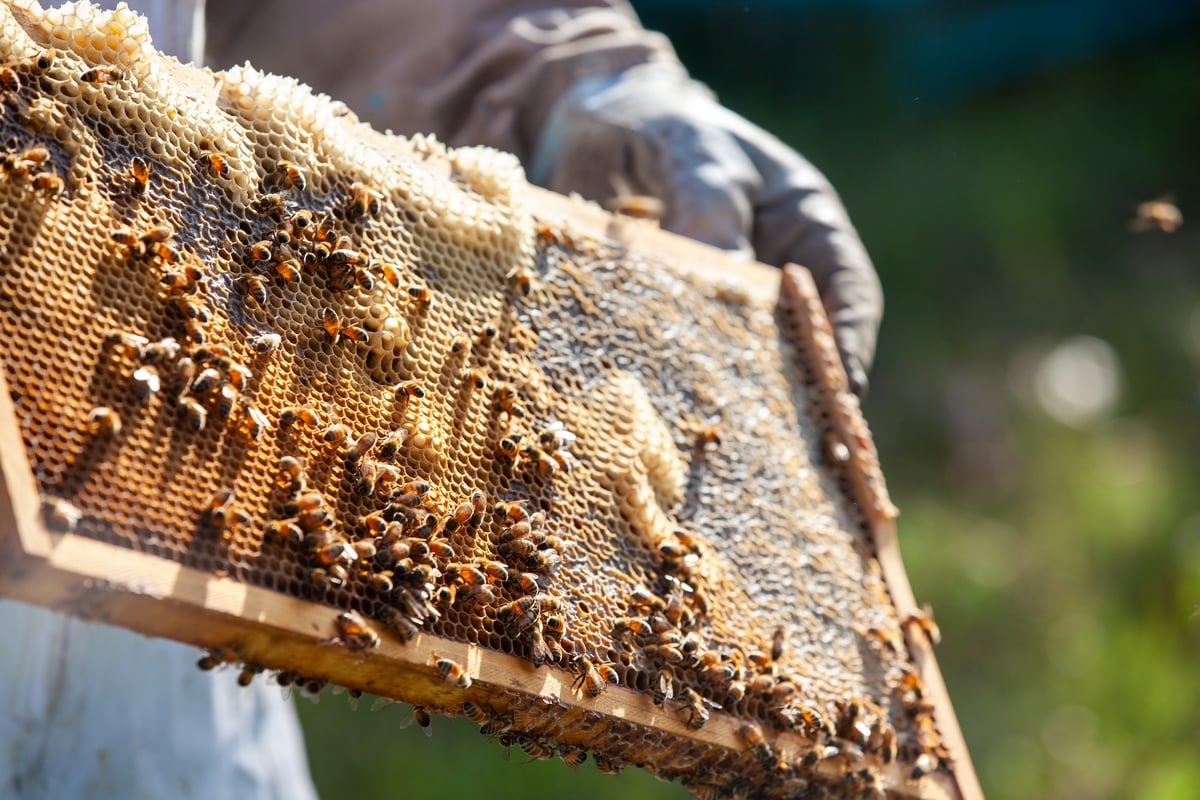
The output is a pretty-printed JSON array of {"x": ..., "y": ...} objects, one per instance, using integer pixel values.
[{"x": 1063, "y": 563}]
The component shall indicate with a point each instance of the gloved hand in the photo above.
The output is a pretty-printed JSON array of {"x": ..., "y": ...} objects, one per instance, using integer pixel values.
[{"x": 722, "y": 180}]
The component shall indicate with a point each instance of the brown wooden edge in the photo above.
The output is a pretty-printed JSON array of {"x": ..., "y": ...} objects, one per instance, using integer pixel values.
[{"x": 798, "y": 289}]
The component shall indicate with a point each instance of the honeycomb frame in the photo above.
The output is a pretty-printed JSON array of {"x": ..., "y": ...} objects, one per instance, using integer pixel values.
[{"x": 170, "y": 564}]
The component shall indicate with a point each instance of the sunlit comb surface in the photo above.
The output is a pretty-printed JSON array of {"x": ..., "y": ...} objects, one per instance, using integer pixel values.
[{"x": 246, "y": 334}]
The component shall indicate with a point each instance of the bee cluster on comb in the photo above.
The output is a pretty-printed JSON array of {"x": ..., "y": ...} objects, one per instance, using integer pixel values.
[{"x": 519, "y": 471}]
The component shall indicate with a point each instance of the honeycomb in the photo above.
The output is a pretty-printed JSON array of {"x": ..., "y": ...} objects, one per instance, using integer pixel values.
[{"x": 246, "y": 334}]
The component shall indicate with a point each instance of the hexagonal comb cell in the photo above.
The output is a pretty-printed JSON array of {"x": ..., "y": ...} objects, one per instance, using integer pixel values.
[{"x": 375, "y": 380}]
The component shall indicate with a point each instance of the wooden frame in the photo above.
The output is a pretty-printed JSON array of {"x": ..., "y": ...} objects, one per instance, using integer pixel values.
[{"x": 90, "y": 579}]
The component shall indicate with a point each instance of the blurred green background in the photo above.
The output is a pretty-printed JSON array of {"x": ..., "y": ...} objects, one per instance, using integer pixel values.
[{"x": 1035, "y": 394}]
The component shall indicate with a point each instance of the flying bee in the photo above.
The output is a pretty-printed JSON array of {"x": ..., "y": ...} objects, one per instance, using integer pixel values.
[
  {"x": 363, "y": 202},
  {"x": 196, "y": 414},
  {"x": 588, "y": 680},
  {"x": 360, "y": 448},
  {"x": 452, "y": 672},
  {"x": 48, "y": 182},
  {"x": 105, "y": 421},
  {"x": 1161, "y": 214},
  {"x": 354, "y": 632},
  {"x": 289, "y": 176}
]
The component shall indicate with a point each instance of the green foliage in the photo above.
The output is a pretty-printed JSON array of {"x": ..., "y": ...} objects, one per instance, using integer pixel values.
[{"x": 1063, "y": 562}]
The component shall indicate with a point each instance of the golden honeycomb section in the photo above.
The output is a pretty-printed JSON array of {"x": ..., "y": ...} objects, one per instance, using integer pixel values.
[{"x": 249, "y": 335}]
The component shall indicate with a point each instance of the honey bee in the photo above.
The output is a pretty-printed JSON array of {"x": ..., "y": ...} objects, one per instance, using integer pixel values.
[
  {"x": 507, "y": 400},
  {"x": 528, "y": 582},
  {"x": 589, "y": 680},
  {"x": 459, "y": 344},
  {"x": 290, "y": 176},
  {"x": 923, "y": 619},
  {"x": 419, "y": 294},
  {"x": 360, "y": 448},
  {"x": 639, "y": 206},
  {"x": 105, "y": 421},
  {"x": 216, "y": 510},
  {"x": 49, "y": 183},
  {"x": 466, "y": 574},
  {"x": 496, "y": 725},
  {"x": 266, "y": 342},
  {"x": 284, "y": 529},
  {"x": 664, "y": 689},
  {"x": 227, "y": 397},
  {"x": 206, "y": 381},
  {"x": 751, "y": 736},
  {"x": 246, "y": 676},
  {"x": 45, "y": 59},
  {"x": 610, "y": 764},
  {"x": 464, "y": 511},
  {"x": 783, "y": 691},
  {"x": 216, "y": 164},
  {"x": 335, "y": 330},
  {"x": 508, "y": 448},
  {"x": 9, "y": 81},
  {"x": 257, "y": 421},
  {"x": 477, "y": 714},
  {"x": 778, "y": 640},
  {"x": 483, "y": 595},
  {"x": 261, "y": 251},
  {"x": 520, "y": 613},
  {"x": 522, "y": 277},
  {"x": 354, "y": 632},
  {"x": 363, "y": 202},
  {"x": 697, "y": 708},
  {"x": 183, "y": 279},
  {"x": 391, "y": 444},
  {"x": 61, "y": 515},
  {"x": 294, "y": 414},
  {"x": 103, "y": 74},
  {"x": 452, "y": 672},
  {"x": 368, "y": 479},
  {"x": 146, "y": 383},
  {"x": 196, "y": 414},
  {"x": 158, "y": 233},
  {"x": 288, "y": 270},
  {"x": 534, "y": 747},
  {"x": 572, "y": 756},
  {"x": 138, "y": 176}
]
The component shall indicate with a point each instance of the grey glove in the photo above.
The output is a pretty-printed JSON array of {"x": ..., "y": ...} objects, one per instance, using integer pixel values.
[{"x": 722, "y": 180}]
